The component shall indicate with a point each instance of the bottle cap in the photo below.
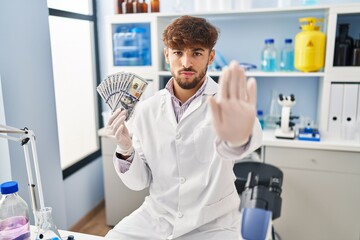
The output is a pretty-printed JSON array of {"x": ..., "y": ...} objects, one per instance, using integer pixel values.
[
  {"x": 269, "y": 40},
  {"x": 9, "y": 187},
  {"x": 288, "y": 40},
  {"x": 260, "y": 113}
]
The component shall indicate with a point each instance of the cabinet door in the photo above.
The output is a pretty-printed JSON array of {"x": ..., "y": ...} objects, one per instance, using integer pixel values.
[
  {"x": 321, "y": 193},
  {"x": 120, "y": 201}
]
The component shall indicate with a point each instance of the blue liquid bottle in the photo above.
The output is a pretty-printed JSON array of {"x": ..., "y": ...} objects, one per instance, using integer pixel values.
[
  {"x": 268, "y": 56},
  {"x": 287, "y": 56}
]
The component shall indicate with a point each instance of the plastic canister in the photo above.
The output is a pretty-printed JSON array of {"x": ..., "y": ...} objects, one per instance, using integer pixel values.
[
  {"x": 14, "y": 213},
  {"x": 131, "y": 47},
  {"x": 309, "y": 46}
]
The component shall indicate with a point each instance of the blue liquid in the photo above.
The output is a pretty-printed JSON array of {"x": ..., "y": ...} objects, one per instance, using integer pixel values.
[
  {"x": 269, "y": 65},
  {"x": 287, "y": 61}
]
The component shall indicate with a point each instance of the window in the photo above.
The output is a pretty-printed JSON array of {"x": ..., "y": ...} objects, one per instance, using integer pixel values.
[{"x": 75, "y": 69}]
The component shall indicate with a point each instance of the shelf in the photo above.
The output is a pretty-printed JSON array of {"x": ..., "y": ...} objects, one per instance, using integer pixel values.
[{"x": 262, "y": 74}]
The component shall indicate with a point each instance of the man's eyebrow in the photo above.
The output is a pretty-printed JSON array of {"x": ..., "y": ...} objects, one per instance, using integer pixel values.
[{"x": 197, "y": 49}]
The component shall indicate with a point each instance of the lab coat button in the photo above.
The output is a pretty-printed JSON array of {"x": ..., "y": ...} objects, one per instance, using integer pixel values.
[
  {"x": 179, "y": 214},
  {"x": 178, "y": 136},
  {"x": 182, "y": 180}
]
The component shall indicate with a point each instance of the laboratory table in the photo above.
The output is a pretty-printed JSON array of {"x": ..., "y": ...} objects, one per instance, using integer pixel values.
[{"x": 64, "y": 234}]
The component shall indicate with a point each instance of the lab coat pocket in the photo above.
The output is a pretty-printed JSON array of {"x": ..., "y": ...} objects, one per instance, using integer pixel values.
[
  {"x": 204, "y": 138},
  {"x": 221, "y": 207}
]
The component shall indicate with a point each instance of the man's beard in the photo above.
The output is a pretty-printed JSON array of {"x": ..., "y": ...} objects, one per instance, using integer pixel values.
[{"x": 192, "y": 84}]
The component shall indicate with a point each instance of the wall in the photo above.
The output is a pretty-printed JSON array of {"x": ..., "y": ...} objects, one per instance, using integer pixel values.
[
  {"x": 29, "y": 100},
  {"x": 28, "y": 92},
  {"x": 5, "y": 169}
]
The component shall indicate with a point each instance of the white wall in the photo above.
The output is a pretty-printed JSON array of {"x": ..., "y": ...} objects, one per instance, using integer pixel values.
[
  {"x": 28, "y": 93},
  {"x": 5, "y": 167}
]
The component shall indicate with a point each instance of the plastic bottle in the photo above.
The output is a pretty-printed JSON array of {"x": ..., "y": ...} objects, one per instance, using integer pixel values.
[
  {"x": 14, "y": 213},
  {"x": 268, "y": 56},
  {"x": 287, "y": 56},
  {"x": 343, "y": 47}
]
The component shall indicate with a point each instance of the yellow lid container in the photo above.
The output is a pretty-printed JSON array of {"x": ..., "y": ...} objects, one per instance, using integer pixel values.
[{"x": 309, "y": 51}]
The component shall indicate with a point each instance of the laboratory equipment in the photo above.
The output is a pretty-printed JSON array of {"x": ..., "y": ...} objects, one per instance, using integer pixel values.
[
  {"x": 14, "y": 213},
  {"x": 260, "y": 116},
  {"x": 259, "y": 186},
  {"x": 47, "y": 229},
  {"x": 309, "y": 46},
  {"x": 122, "y": 90},
  {"x": 137, "y": 6},
  {"x": 356, "y": 53},
  {"x": 309, "y": 134},
  {"x": 155, "y": 5},
  {"x": 131, "y": 45},
  {"x": 343, "y": 46},
  {"x": 268, "y": 56},
  {"x": 27, "y": 138},
  {"x": 286, "y": 129},
  {"x": 127, "y": 6},
  {"x": 144, "y": 7},
  {"x": 287, "y": 56}
]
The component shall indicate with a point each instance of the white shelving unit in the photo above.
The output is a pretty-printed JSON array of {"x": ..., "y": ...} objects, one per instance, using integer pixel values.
[
  {"x": 312, "y": 209},
  {"x": 241, "y": 29}
]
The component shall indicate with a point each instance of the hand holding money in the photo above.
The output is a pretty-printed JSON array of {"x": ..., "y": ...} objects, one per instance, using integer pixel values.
[{"x": 117, "y": 126}]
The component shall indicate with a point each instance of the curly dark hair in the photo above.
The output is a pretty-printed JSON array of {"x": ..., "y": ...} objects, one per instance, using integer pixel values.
[{"x": 187, "y": 31}]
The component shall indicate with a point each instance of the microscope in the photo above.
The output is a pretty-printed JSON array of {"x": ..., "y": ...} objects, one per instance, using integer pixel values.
[
  {"x": 259, "y": 187},
  {"x": 286, "y": 130}
]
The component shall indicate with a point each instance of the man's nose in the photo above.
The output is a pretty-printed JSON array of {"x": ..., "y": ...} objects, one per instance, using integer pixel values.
[{"x": 187, "y": 60}]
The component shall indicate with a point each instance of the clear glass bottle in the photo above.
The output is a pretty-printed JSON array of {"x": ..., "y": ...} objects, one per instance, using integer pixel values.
[
  {"x": 268, "y": 56},
  {"x": 47, "y": 230},
  {"x": 14, "y": 213},
  {"x": 287, "y": 56}
]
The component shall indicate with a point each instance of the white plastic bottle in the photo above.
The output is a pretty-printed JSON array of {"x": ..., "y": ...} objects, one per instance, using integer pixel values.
[
  {"x": 14, "y": 213},
  {"x": 268, "y": 56},
  {"x": 287, "y": 56}
]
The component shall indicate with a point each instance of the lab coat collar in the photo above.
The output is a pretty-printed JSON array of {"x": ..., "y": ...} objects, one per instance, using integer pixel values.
[{"x": 211, "y": 89}]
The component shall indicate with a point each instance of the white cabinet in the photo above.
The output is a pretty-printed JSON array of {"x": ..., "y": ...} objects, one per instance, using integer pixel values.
[
  {"x": 120, "y": 201},
  {"x": 320, "y": 193}
]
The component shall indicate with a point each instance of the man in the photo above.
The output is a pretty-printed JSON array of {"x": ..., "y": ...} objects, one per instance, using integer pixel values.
[{"x": 182, "y": 151}]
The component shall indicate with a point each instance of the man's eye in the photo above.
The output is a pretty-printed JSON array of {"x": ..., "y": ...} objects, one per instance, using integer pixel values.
[
  {"x": 177, "y": 53},
  {"x": 197, "y": 54}
]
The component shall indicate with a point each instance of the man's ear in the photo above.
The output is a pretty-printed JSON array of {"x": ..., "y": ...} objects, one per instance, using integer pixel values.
[
  {"x": 211, "y": 56},
  {"x": 166, "y": 54}
]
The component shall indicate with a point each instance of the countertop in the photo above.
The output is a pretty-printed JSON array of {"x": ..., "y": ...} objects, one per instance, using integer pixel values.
[
  {"x": 269, "y": 139},
  {"x": 64, "y": 234}
]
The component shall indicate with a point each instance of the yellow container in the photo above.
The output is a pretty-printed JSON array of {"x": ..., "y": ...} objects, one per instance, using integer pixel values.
[{"x": 309, "y": 52}]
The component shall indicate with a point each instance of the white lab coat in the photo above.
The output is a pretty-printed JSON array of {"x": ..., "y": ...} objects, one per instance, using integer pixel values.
[{"x": 190, "y": 175}]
